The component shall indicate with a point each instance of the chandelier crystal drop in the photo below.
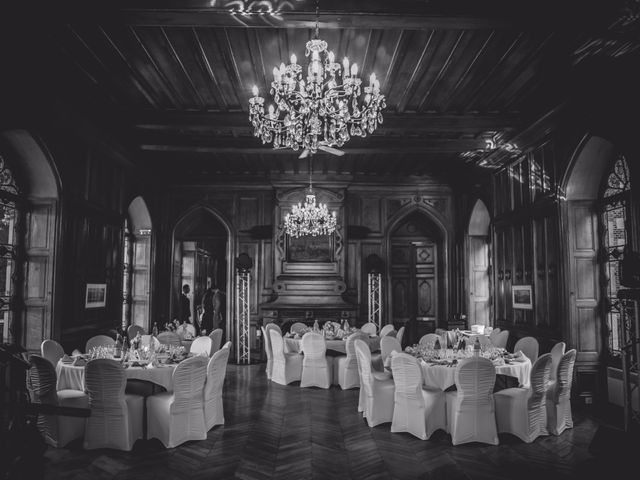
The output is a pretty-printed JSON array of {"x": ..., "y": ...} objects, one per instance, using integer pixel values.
[
  {"x": 311, "y": 218},
  {"x": 325, "y": 108}
]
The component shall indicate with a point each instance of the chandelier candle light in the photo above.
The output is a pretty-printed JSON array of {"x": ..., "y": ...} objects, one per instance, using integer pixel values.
[
  {"x": 311, "y": 218},
  {"x": 326, "y": 109}
]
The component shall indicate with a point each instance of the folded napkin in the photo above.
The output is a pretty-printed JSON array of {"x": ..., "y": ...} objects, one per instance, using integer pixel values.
[
  {"x": 79, "y": 362},
  {"x": 66, "y": 359}
]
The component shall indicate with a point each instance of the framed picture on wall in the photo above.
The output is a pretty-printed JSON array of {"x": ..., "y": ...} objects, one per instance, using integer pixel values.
[
  {"x": 96, "y": 295},
  {"x": 522, "y": 297}
]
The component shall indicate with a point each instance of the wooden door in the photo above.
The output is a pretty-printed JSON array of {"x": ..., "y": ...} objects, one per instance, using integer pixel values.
[
  {"x": 140, "y": 281},
  {"x": 478, "y": 280}
]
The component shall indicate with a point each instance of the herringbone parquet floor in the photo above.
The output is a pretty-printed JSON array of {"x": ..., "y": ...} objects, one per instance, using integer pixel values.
[{"x": 273, "y": 431}]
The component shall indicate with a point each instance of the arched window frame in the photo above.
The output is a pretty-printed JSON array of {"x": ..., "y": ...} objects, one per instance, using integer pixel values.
[{"x": 615, "y": 204}]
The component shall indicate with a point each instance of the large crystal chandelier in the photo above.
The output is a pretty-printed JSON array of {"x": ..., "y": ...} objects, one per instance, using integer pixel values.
[
  {"x": 324, "y": 110},
  {"x": 311, "y": 218}
]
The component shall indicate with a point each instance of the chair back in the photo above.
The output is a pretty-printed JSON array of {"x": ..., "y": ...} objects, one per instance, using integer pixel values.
[
  {"x": 133, "y": 330},
  {"x": 201, "y": 346},
  {"x": 369, "y": 328},
  {"x": 562, "y": 391},
  {"x": 277, "y": 345},
  {"x": 389, "y": 344},
  {"x": 431, "y": 337},
  {"x": 494, "y": 333},
  {"x": 501, "y": 338},
  {"x": 475, "y": 378},
  {"x": 42, "y": 380},
  {"x": 557, "y": 351},
  {"x": 147, "y": 339},
  {"x": 313, "y": 345},
  {"x": 484, "y": 340},
  {"x": 189, "y": 328},
  {"x": 267, "y": 343},
  {"x": 400, "y": 334},
  {"x": 216, "y": 370},
  {"x": 529, "y": 346},
  {"x": 387, "y": 329},
  {"x": 105, "y": 381},
  {"x": 297, "y": 327},
  {"x": 363, "y": 356},
  {"x": 52, "y": 351},
  {"x": 216, "y": 340},
  {"x": 227, "y": 345},
  {"x": 98, "y": 341},
  {"x": 188, "y": 383},
  {"x": 169, "y": 338},
  {"x": 539, "y": 379},
  {"x": 407, "y": 376}
]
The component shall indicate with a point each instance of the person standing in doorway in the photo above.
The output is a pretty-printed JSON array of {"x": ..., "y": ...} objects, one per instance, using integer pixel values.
[
  {"x": 207, "y": 311},
  {"x": 218, "y": 310},
  {"x": 185, "y": 306}
]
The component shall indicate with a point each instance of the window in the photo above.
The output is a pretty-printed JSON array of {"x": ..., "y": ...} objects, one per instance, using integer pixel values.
[
  {"x": 9, "y": 201},
  {"x": 614, "y": 216}
]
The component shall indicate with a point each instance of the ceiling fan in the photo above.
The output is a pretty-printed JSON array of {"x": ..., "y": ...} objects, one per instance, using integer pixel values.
[{"x": 325, "y": 148}]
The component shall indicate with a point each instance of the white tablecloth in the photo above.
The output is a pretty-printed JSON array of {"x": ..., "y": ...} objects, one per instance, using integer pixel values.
[
  {"x": 72, "y": 376},
  {"x": 443, "y": 377},
  {"x": 294, "y": 345}
]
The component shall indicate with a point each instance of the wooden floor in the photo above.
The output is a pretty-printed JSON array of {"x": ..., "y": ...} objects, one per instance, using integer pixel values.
[{"x": 273, "y": 431}]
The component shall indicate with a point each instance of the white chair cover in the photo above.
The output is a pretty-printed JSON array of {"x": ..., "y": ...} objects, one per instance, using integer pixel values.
[
  {"x": 216, "y": 370},
  {"x": 201, "y": 346},
  {"x": 52, "y": 351},
  {"x": 297, "y": 327},
  {"x": 431, "y": 337},
  {"x": 98, "y": 341},
  {"x": 529, "y": 346},
  {"x": 369, "y": 328},
  {"x": 470, "y": 409},
  {"x": 169, "y": 338},
  {"x": 522, "y": 411},
  {"x": 227, "y": 345},
  {"x": 557, "y": 351},
  {"x": 387, "y": 329},
  {"x": 346, "y": 366},
  {"x": 287, "y": 367},
  {"x": 317, "y": 368},
  {"x": 400, "y": 334},
  {"x": 146, "y": 341},
  {"x": 389, "y": 344},
  {"x": 378, "y": 393},
  {"x": 559, "y": 416},
  {"x": 177, "y": 417},
  {"x": 494, "y": 333},
  {"x": 417, "y": 410},
  {"x": 267, "y": 350},
  {"x": 133, "y": 330},
  {"x": 501, "y": 339},
  {"x": 216, "y": 340},
  {"x": 57, "y": 430},
  {"x": 116, "y": 417}
]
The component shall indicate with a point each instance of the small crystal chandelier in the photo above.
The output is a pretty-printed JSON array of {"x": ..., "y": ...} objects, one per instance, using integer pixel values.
[
  {"x": 310, "y": 218},
  {"x": 326, "y": 109}
]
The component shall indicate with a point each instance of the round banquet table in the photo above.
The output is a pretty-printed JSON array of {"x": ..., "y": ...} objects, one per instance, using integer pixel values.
[
  {"x": 294, "y": 345},
  {"x": 443, "y": 376},
  {"x": 72, "y": 376}
]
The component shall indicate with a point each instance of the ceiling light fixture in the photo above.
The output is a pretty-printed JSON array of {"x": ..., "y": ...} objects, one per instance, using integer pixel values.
[{"x": 325, "y": 110}]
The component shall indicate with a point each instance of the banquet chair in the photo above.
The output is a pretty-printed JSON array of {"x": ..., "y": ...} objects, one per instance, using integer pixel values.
[
  {"x": 345, "y": 371},
  {"x": 147, "y": 339},
  {"x": 470, "y": 408},
  {"x": 201, "y": 346},
  {"x": 133, "y": 330},
  {"x": 56, "y": 430},
  {"x": 500, "y": 340},
  {"x": 557, "y": 351},
  {"x": 369, "y": 328},
  {"x": 116, "y": 417},
  {"x": 400, "y": 334},
  {"x": 52, "y": 351},
  {"x": 559, "y": 416},
  {"x": 387, "y": 329},
  {"x": 178, "y": 416},
  {"x": 494, "y": 333},
  {"x": 267, "y": 351},
  {"x": 169, "y": 338},
  {"x": 389, "y": 344},
  {"x": 431, "y": 337},
  {"x": 216, "y": 340},
  {"x": 216, "y": 370},
  {"x": 317, "y": 368},
  {"x": 417, "y": 410},
  {"x": 287, "y": 367},
  {"x": 190, "y": 329},
  {"x": 297, "y": 327},
  {"x": 529, "y": 346},
  {"x": 522, "y": 411},
  {"x": 377, "y": 406},
  {"x": 98, "y": 341},
  {"x": 484, "y": 340}
]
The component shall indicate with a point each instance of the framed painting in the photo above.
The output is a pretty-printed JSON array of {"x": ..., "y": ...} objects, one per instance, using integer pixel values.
[
  {"x": 96, "y": 295},
  {"x": 522, "y": 297},
  {"x": 309, "y": 249}
]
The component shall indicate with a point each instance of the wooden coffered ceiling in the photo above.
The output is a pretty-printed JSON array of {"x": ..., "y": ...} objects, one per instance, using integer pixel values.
[{"x": 175, "y": 76}]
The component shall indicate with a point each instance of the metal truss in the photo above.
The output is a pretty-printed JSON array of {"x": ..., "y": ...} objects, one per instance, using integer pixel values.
[
  {"x": 374, "y": 313},
  {"x": 243, "y": 339}
]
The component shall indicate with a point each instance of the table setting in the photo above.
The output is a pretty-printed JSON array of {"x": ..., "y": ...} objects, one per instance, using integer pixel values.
[{"x": 335, "y": 335}]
